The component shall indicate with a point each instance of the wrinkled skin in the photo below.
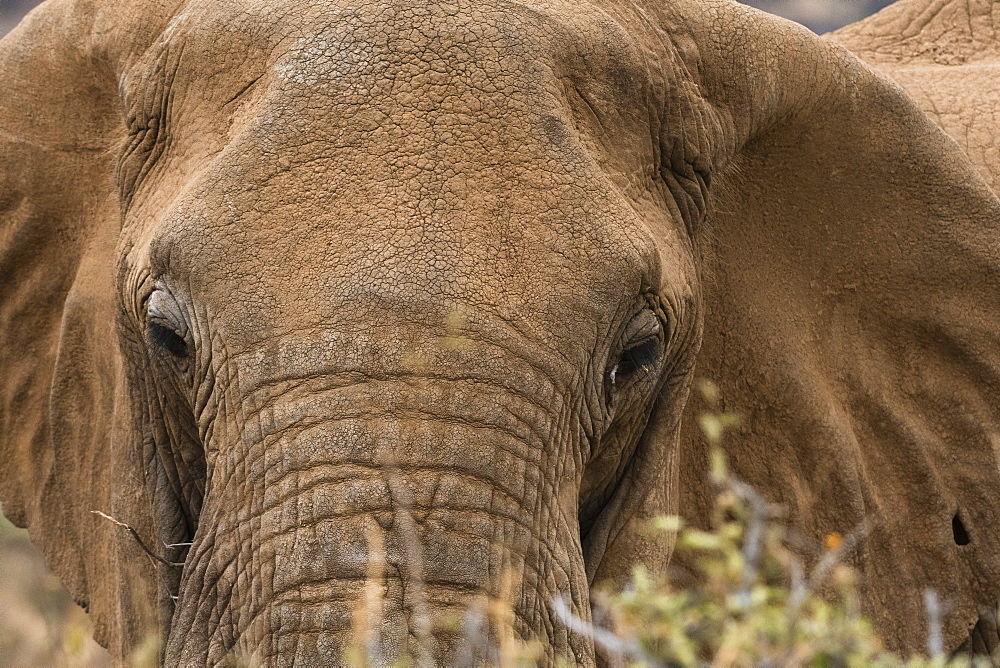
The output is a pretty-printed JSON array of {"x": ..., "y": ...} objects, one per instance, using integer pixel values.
[{"x": 292, "y": 280}]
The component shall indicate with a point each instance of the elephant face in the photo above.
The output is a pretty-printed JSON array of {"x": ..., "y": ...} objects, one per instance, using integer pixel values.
[
  {"x": 316, "y": 291},
  {"x": 387, "y": 241}
]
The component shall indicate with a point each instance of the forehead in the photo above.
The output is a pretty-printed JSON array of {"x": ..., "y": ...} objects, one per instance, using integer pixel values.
[
  {"x": 364, "y": 151},
  {"x": 319, "y": 42}
]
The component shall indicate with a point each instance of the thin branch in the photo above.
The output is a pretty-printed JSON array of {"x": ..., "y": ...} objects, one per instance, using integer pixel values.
[
  {"x": 138, "y": 540},
  {"x": 475, "y": 635},
  {"x": 935, "y": 640},
  {"x": 801, "y": 589},
  {"x": 369, "y": 608},
  {"x": 761, "y": 513},
  {"x": 413, "y": 577},
  {"x": 603, "y": 637}
]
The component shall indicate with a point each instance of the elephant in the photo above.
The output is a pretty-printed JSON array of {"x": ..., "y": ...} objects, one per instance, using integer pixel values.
[{"x": 287, "y": 284}]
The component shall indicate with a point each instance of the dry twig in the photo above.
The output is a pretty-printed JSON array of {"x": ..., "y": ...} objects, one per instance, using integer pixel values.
[{"x": 135, "y": 535}]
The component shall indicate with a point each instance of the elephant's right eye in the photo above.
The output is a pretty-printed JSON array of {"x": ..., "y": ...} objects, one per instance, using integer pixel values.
[{"x": 167, "y": 339}]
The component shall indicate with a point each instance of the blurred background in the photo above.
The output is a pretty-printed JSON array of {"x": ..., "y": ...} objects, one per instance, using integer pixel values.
[
  {"x": 11, "y": 12},
  {"x": 39, "y": 623},
  {"x": 820, "y": 16}
]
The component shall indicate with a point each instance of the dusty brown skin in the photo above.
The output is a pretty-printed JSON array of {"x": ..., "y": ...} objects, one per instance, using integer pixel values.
[
  {"x": 946, "y": 55},
  {"x": 273, "y": 271}
]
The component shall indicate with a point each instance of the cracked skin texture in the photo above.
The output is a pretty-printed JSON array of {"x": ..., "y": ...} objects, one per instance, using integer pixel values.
[
  {"x": 946, "y": 55},
  {"x": 292, "y": 280}
]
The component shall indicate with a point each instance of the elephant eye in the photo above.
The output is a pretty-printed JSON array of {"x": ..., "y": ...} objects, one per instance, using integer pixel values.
[
  {"x": 166, "y": 322},
  {"x": 167, "y": 339},
  {"x": 642, "y": 350},
  {"x": 639, "y": 358}
]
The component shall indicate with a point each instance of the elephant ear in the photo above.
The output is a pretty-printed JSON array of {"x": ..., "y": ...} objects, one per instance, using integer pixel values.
[
  {"x": 59, "y": 222},
  {"x": 852, "y": 316}
]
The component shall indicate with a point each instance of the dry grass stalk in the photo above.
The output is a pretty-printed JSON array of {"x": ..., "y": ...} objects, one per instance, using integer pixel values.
[{"x": 367, "y": 613}]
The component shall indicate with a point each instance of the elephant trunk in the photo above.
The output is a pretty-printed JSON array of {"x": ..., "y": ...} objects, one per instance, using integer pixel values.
[{"x": 382, "y": 531}]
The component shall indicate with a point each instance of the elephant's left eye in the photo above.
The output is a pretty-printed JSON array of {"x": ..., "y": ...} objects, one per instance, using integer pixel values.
[
  {"x": 638, "y": 358},
  {"x": 641, "y": 351}
]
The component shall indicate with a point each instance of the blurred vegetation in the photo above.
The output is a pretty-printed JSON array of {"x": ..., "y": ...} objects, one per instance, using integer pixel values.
[
  {"x": 754, "y": 601},
  {"x": 755, "y": 606},
  {"x": 750, "y": 600}
]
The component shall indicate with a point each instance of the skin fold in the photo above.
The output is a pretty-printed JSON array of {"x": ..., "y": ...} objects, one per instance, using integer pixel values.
[{"x": 289, "y": 286}]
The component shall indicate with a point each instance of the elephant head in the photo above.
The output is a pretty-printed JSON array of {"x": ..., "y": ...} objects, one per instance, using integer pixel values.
[{"x": 284, "y": 282}]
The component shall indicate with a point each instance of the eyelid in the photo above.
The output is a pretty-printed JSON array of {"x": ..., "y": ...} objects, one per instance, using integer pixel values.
[
  {"x": 644, "y": 326},
  {"x": 164, "y": 309}
]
